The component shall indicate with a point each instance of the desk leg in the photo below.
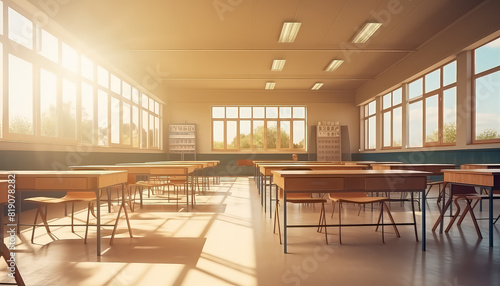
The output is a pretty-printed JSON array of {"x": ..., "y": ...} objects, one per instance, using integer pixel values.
[
  {"x": 98, "y": 205},
  {"x": 423, "y": 220},
  {"x": 284, "y": 221},
  {"x": 443, "y": 210},
  {"x": 490, "y": 191}
]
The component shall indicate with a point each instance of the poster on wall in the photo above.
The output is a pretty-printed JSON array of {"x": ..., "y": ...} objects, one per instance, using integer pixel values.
[{"x": 182, "y": 138}]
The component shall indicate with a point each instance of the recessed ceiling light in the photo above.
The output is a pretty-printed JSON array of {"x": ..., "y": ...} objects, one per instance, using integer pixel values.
[
  {"x": 317, "y": 86},
  {"x": 270, "y": 85},
  {"x": 289, "y": 32},
  {"x": 278, "y": 65},
  {"x": 366, "y": 32},
  {"x": 334, "y": 65}
]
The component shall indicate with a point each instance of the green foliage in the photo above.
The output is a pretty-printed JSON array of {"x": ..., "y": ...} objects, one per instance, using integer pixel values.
[
  {"x": 20, "y": 126},
  {"x": 488, "y": 134},
  {"x": 449, "y": 134}
]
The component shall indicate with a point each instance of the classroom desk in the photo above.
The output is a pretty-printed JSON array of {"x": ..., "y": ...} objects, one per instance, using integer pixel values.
[
  {"x": 488, "y": 179},
  {"x": 350, "y": 181},
  {"x": 369, "y": 163},
  {"x": 202, "y": 166},
  {"x": 74, "y": 181},
  {"x": 480, "y": 166},
  {"x": 265, "y": 170}
]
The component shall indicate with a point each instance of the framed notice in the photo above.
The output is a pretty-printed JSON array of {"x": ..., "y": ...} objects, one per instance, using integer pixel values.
[{"x": 182, "y": 138}]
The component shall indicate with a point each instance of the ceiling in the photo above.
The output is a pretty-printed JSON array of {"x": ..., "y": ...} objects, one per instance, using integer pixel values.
[{"x": 176, "y": 45}]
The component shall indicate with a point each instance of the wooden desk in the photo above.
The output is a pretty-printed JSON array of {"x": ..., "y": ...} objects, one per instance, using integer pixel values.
[
  {"x": 75, "y": 181},
  {"x": 488, "y": 179},
  {"x": 369, "y": 163},
  {"x": 201, "y": 166},
  {"x": 434, "y": 169},
  {"x": 480, "y": 166},
  {"x": 350, "y": 181}
]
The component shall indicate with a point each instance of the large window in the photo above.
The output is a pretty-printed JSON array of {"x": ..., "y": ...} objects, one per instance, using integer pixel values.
[
  {"x": 486, "y": 93},
  {"x": 370, "y": 123},
  {"x": 58, "y": 95},
  {"x": 259, "y": 128},
  {"x": 392, "y": 118}
]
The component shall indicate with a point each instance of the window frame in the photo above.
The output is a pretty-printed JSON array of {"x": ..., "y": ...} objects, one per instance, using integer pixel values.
[
  {"x": 391, "y": 110},
  {"x": 366, "y": 119}
]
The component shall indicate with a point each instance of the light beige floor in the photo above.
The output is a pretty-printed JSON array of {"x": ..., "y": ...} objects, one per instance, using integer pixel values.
[{"x": 228, "y": 240}]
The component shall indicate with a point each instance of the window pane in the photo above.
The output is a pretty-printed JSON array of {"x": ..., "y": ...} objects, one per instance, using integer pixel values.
[
  {"x": 433, "y": 80},
  {"x": 157, "y": 108},
  {"x": 126, "y": 123},
  {"x": 151, "y": 131},
  {"x": 218, "y": 112},
  {"x": 397, "y": 96},
  {"x": 285, "y": 134},
  {"x": 151, "y": 105},
  {"x": 49, "y": 46},
  {"x": 245, "y": 112},
  {"x": 20, "y": 29},
  {"x": 135, "y": 126},
  {"x": 102, "y": 118},
  {"x": 387, "y": 100},
  {"x": 415, "y": 124},
  {"x": 371, "y": 107},
  {"x": 450, "y": 73},
  {"x": 218, "y": 134},
  {"x": 231, "y": 112},
  {"x": 115, "y": 84},
  {"x": 397, "y": 127},
  {"x": 68, "y": 124},
  {"x": 69, "y": 58},
  {"x": 135, "y": 95},
  {"x": 102, "y": 77},
  {"x": 48, "y": 103},
  {"x": 144, "y": 130},
  {"x": 245, "y": 134},
  {"x": 145, "y": 101},
  {"x": 299, "y": 112},
  {"x": 20, "y": 96},
  {"x": 258, "y": 133},
  {"x": 87, "y": 68},
  {"x": 431, "y": 119},
  {"x": 115, "y": 120},
  {"x": 299, "y": 136},
  {"x": 272, "y": 130},
  {"x": 450, "y": 115},
  {"x": 285, "y": 112},
  {"x": 232, "y": 135},
  {"x": 258, "y": 112},
  {"x": 157, "y": 132},
  {"x": 1, "y": 18},
  {"x": 372, "y": 136},
  {"x": 387, "y": 129},
  {"x": 126, "y": 90},
  {"x": 272, "y": 112},
  {"x": 487, "y": 101},
  {"x": 415, "y": 88},
  {"x": 487, "y": 56},
  {"x": 87, "y": 113}
]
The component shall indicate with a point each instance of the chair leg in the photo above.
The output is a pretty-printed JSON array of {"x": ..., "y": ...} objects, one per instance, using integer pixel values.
[
  {"x": 34, "y": 224},
  {"x": 277, "y": 221},
  {"x": 340, "y": 222},
  {"x": 457, "y": 213},
  {"x": 438, "y": 221},
  {"x": 392, "y": 220},
  {"x": 382, "y": 217},
  {"x": 474, "y": 220},
  {"x": 89, "y": 208},
  {"x": 72, "y": 217},
  {"x": 323, "y": 213},
  {"x": 333, "y": 208}
]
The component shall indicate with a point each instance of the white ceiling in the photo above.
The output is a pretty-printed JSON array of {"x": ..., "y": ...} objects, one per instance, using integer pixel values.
[{"x": 192, "y": 45}]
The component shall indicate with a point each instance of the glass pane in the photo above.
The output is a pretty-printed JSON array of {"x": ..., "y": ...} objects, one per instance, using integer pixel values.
[
  {"x": 68, "y": 124},
  {"x": 299, "y": 112},
  {"x": 432, "y": 81},
  {"x": 386, "y": 100},
  {"x": 487, "y": 56},
  {"x": 487, "y": 99},
  {"x": 285, "y": 134},
  {"x": 102, "y": 77},
  {"x": 245, "y": 134},
  {"x": 157, "y": 108},
  {"x": 87, "y": 113},
  {"x": 151, "y": 105},
  {"x": 218, "y": 112},
  {"x": 1, "y": 18},
  {"x": 285, "y": 112},
  {"x": 135, "y": 95},
  {"x": 145, "y": 101},
  {"x": 157, "y": 132},
  {"x": 271, "y": 132},
  {"x": 258, "y": 112},
  {"x": 397, "y": 127},
  {"x": 20, "y": 29},
  {"x": 218, "y": 135},
  {"x": 450, "y": 73},
  {"x": 115, "y": 120},
  {"x": 87, "y": 68},
  {"x": 126, "y": 123},
  {"x": 232, "y": 135},
  {"x": 397, "y": 96},
  {"x": 48, "y": 103},
  {"x": 20, "y": 96},
  {"x": 231, "y": 112},
  {"x": 272, "y": 112},
  {"x": 450, "y": 115},
  {"x": 144, "y": 130},
  {"x": 135, "y": 126},
  {"x": 245, "y": 112},
  {"x": 372, "y": 134},
  {"x": 415, "y": 88},
  {"x": 69, "y": 58},
  {"x": 431, "y": 119},
  {"x": 387, "y": 129},
  {"x": 151, "y": 130},
  {"x": 102, "y": 118},
  {"x": 49, "y": 46},
  {"x": 126, "y": 90},
  {"x": 115, "y": 84},
  {"x": 415, "y": 124},
  {"x": 258, "y": 133},
  {"x": 371, "y": 107},
  {"x": 299, "y": 134}
]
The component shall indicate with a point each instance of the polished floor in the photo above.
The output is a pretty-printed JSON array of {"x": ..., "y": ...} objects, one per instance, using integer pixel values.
[{"x": 228, "y": 240}]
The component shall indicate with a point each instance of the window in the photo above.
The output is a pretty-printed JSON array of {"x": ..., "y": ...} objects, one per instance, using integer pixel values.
[
  {"x": 258, "y": 128},
  {"x": 370, "y": 121},
  {"x": 49, "y": 46},
  {"x": 392, "y": 116},
  {"x": 20, "y": 96},
  {"x": 102, "y": 118},
  {"x": 20, "y": 29},
  {"x": 486, "y": 93},
  {"x": 48, "y": 103},
  {"x": 87, "y": 127}
]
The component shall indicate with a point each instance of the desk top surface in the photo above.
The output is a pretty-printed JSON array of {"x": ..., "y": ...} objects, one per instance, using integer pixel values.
[
  {"x": 75, "y": 173},
  {"x": 482, "y": 172},
  {"x": 350, "y": 173}
]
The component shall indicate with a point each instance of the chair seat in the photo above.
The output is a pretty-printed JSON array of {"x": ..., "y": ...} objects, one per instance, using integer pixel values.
[
  {"x": 306, "y": 200},
  {"x": 46, "y": 200},
  {"x": 360, "y": 200}
]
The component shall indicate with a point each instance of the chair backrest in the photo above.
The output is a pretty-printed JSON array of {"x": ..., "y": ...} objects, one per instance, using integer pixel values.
[{"x": 296, "y": 195}]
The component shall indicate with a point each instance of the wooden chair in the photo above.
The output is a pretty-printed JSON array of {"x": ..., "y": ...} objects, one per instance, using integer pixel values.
[
  {"x": 459, "y": 192},
  {"x": 362, "y": 199}
]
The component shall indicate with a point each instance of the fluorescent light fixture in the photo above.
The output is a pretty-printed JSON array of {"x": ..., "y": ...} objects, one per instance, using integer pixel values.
[
  {"x": 289, "y": 32},
  {"x": 366, "y": 32},
  {"x": 334, "y": 65},
  {"x": 270, "y": 85},
  {"x": 317, "y": 86},
  {"x": 278, "y": 65}
]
